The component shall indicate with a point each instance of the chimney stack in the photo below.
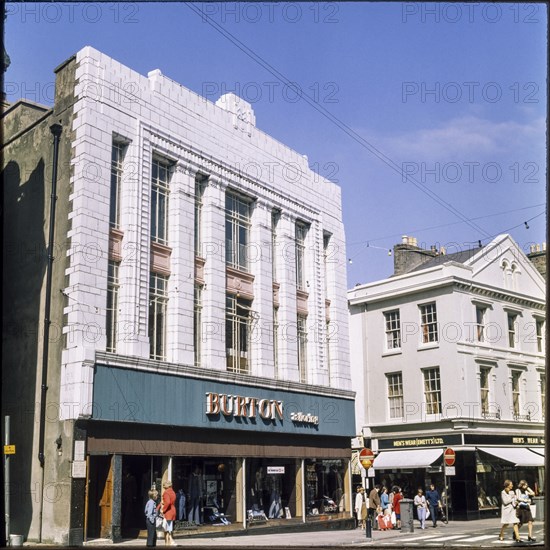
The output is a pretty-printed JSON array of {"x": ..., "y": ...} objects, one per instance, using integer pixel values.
[
  {"x": 408, "y": 255},
  {"x": 537, "y": 255}
]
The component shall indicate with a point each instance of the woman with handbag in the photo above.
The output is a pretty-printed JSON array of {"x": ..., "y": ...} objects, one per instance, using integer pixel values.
[
  {"x": 151, "y": 516},
  {"x": 523, "y": 495},
  {"x": 508, "y": 510},
  {"x": 168, "y": 509}
]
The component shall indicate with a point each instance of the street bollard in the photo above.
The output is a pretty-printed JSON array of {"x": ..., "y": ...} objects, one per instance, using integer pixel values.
[{"x": 368, "y": 528}]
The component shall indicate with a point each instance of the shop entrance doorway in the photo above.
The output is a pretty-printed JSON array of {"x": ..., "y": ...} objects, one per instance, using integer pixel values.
[{"x": 100, "y": 497}]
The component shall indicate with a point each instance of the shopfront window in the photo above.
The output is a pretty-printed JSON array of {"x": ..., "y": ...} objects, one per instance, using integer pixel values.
[
  {"x": 272, "y": 489},
  {"x": 325, "y": 488},
  {"x": 205, "y": 490}
]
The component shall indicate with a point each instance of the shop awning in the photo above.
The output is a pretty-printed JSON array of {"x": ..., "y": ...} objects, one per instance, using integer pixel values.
[
  {"x": 538, "y": 450},
  {"x": 518, "y": 456},
  {"x": 415, "y": 458}
]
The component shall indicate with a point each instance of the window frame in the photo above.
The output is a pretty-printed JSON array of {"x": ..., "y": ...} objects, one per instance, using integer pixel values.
[
  {"x": 540, "y": 334},
  {"x": 158, "y": 307},
  {"x": 200, "y": 185},
  {"x": 395, "y": 397},
  {"x": 512, "y": 332},
  {"x": 485, "y": 390},
  {"x": 197, "y": 324},
  {"x": 302, "y": 340},
  {"x": 238, "y": 217},
  {"x": 481, "y": 318},
  {"x": 160, "y": 196},
  {"x": 428, "y": 323},
  {"x": 111, "y": 320},
  {"x": 392, "y": 329},
  {"x": 516, "y": 376},
  {"x": 237, "y": 341},
  {"x": 117, "y": 168},
  {"x": 300, "y": 235},
  {"x": 428, "y": 393}
]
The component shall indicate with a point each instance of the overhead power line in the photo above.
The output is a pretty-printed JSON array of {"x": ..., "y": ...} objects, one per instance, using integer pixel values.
[{"x": 335, "y": 120}]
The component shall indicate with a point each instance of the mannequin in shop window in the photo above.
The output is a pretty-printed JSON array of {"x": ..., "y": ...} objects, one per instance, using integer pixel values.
[
  {"x": 257, "y": 492},
  {"x": 180, "y": 505},
  {"x": 336, "y": 485},
  {"x": 275, "y": 505},
  {"x": 195, "y": 496}
]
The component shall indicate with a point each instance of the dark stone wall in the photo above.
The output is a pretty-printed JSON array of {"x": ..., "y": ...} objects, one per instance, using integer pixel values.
[{"x": 27, "y": 174}]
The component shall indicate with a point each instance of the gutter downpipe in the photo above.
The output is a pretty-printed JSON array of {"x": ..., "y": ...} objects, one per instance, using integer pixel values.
[{"x": 56, "y": 130}]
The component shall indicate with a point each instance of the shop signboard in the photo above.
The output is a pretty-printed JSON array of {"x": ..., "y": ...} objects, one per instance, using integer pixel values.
[
  {"x": 503, "y": 440},
  {"x": 413, "y": 442},
  {"x": 275, "y": 469}
]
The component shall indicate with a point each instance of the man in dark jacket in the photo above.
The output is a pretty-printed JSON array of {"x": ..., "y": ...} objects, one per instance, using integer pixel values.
[
  {"x": 434, "y": 503},
  {"x": 374, "y": 505}
]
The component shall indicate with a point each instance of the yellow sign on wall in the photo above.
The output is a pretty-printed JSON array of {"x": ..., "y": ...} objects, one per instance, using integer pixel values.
[{"x": 9, "y": 449}]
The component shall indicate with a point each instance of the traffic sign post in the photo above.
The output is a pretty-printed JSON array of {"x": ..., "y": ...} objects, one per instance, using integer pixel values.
[{"x": 449, "y": 458}]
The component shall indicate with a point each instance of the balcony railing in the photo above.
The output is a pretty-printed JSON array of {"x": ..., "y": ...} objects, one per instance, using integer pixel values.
[
  {"x": 490, "y": 415},
  {"x": 521, "y": 417}
]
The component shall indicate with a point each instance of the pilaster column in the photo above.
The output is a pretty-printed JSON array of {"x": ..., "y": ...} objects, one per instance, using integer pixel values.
[
  {"x": 261, "y": 267},
  {"x": 179, "y": 318},
  {"x": 134, "y": 271},
  {"x": 286, "y": 273},
  {"x": 213, "y": 251},
  {"x": 336, "y": 292}
]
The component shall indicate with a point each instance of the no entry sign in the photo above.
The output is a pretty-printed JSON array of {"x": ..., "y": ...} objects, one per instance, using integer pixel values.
[{"x": 449, "y": 457}]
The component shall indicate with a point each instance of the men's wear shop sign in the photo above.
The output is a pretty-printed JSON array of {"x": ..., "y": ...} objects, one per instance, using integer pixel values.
[{"x": 252, "y": 407}]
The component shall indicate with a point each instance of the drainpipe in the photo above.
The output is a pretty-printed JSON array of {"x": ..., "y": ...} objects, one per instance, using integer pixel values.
[{"x": 56, "y": 131}]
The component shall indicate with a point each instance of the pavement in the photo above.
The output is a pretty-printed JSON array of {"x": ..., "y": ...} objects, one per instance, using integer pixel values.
[{"x": 470, "y": 534}]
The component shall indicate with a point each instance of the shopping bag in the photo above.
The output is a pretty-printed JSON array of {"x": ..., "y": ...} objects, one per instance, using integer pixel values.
[
  {"x": 393, "y": 518},
  {"x": 427, "y": 513}
]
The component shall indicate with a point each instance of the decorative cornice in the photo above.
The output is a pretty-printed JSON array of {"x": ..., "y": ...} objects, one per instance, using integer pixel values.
[
  {"x": 198, "y": 162},
  {"x": 498, "y": 295}
]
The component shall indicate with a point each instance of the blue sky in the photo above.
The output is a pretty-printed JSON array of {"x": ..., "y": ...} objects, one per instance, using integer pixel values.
[{"x": 452, "y": 94}]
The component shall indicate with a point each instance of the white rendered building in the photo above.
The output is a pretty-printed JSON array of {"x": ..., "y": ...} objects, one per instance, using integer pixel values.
[{"x": 451, "y": 353}]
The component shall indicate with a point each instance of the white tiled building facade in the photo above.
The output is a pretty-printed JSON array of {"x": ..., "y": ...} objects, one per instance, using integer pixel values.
[
  {"x": 208, "y": 152},
  {"x": 200, "y": 282},
  {"x": 452, "y": 354}
]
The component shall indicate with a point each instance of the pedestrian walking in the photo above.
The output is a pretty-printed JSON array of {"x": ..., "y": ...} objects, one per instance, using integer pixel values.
[
  {"x": 508, "y": 510},
  {"x": 523, "y": 495},
  {"x": 361, "y": 507},
  {"x": 151, "y": 515},
  {"x": 374, "y": 505},
  {"x": 433, "y": 499},
  {"x": 421, "y": 507}
]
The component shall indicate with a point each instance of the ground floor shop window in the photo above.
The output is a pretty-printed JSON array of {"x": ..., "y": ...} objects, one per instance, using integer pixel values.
[
  {"x": 205, "y": 490},
  {"x": 325, "y": 490},
  {"x": 491, "y": 473},
  {"x": 272, "y": 489}
]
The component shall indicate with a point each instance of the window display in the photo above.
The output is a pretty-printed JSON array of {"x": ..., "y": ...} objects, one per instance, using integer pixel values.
[
  {"x": 324, "y": 487},
  {"x": 272, "y": 489}
]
